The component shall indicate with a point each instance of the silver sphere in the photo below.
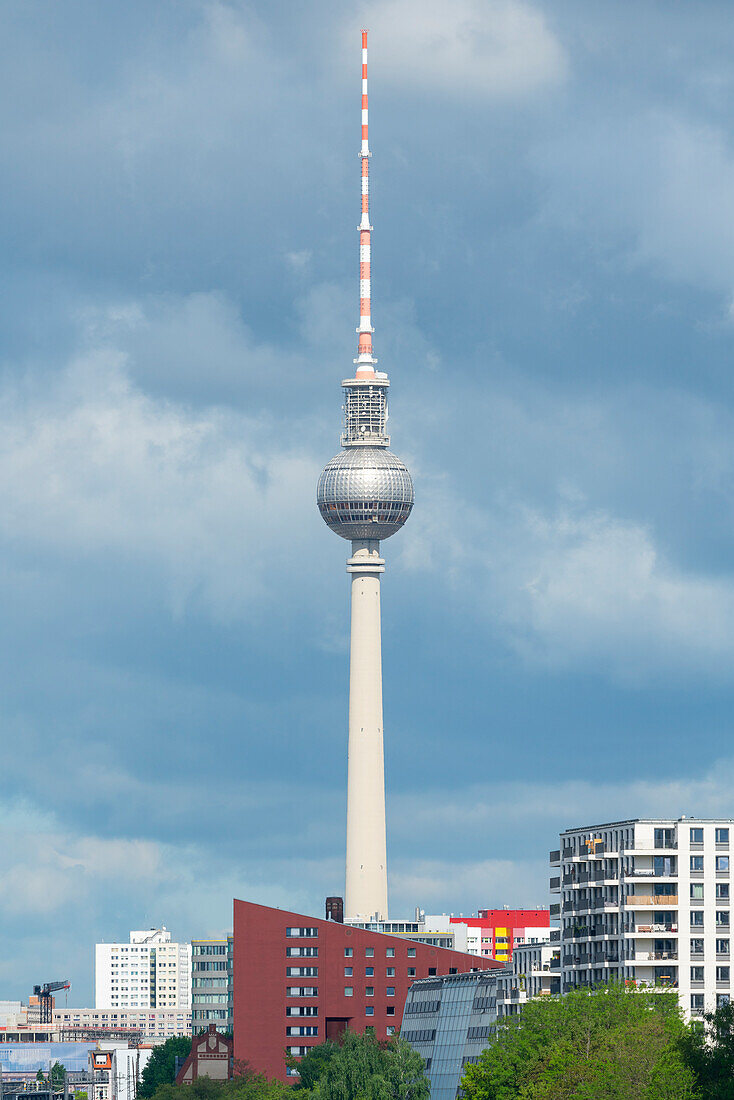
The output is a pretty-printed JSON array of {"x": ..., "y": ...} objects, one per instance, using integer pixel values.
[{"x": 365, "y": 493}]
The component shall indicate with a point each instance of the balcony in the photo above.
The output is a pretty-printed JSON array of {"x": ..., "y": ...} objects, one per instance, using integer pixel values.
[
  {"x": 650, "y": 872},
  {"x": 593, "y": 850},
  {"x": 555, "y": 884},
  {"x": 652, "y": 929},
  {"x": 555, "y": 909},
  {"x": 555, "y": 856},
  {"x": 648, "y": 901},
  {"x": 655, "y": 956},
  {"x": 555, "y": 935},
  {"x": 648, "y": 846}
]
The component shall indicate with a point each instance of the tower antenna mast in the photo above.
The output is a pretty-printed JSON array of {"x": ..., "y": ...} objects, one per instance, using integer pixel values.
[
  {"x": 365, "y": 494},
  {"x": 365, "y": 361}
]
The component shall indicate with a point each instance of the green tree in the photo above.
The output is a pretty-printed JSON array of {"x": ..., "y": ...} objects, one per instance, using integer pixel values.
[
  {"x": 247, "y": 1086},
  {"x": 359, "y": 1067},
  {"x": 160, "y": 1068},
  {"x": 56, "y": 1076},
  {"x": 313, "y": 1065},
  {"x": 613, "y": 1043},
  {"x": 709, "y": 1052},
  {"x": 406, "y": 1074}
]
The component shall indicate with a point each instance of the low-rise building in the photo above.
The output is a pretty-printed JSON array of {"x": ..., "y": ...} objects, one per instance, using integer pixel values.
[
  {"x": 152, "y": 1025},
  {"x": 210, "y": 1056}
]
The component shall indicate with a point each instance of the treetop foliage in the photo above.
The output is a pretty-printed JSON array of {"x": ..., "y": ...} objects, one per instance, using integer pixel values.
[
  {"x": 614, "y": 1043},
  {"x": 160, "y": 1069},
  {"x": 358, "y": 1067}
]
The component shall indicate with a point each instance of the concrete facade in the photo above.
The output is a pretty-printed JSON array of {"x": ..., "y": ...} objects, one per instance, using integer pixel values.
[
  {"x": 647, "y": 900},
  {"x": 212, "y": 994},
  {"x": 366, "y": 862},
  {"x": 148, "y": 972}
]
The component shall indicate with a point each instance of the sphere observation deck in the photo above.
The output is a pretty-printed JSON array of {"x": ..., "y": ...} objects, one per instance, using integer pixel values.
[{"x": 365, "y": 493}]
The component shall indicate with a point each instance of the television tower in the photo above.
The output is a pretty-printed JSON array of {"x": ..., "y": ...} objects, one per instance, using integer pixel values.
[{"x": 365, "y": 494}]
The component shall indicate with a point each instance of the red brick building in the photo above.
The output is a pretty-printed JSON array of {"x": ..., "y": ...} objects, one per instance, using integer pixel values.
[
  {"x": 210, "y": 1056},
  {"x": 299, "y": 980}
]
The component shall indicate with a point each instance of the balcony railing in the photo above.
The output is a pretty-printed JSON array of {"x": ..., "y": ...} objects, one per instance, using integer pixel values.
[
  {"x": 644, "y": 929},
  {"x": 655, "y": 956},
  {"x": 555, "y": 856},
  {"x": 555, "y": 883},
  {"x": 650, "y": 900}
]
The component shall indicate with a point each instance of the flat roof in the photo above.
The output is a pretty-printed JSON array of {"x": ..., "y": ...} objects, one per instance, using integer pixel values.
[{"x": 649, "y": 821}]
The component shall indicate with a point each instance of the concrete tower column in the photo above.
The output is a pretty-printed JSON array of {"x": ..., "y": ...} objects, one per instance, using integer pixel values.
[{"x": 366, "y": 878}]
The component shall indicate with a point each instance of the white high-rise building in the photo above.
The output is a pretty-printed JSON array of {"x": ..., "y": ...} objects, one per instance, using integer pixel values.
[
  {"x": 648, "y": 901},
  {"x": 148, "y": 972},
  {"x": 365, "y": 494}
]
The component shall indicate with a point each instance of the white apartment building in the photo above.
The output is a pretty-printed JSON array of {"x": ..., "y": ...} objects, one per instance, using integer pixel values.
[
  {"x": 148, "y": 972},
  {"x": 535, "y": 971},
  {"x": 648, "y": 901}
]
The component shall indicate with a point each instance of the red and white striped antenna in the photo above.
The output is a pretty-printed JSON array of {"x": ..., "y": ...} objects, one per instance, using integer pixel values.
[{"x": 365, "y": 360}]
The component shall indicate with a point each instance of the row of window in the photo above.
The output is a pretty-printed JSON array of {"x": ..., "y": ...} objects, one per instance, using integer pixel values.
[
  {"x": 722, "y": 891},
  {"x": 697, "y": 1001},
  {"x": 722, "y": 973},
  {"x": 369, "y": 991},
  {"x": 722, "y": 947},
  {"x": 696, "y": 836},
  {"x": 369, "y": 971},
  {"x": 302, "y": 1030},
  {"x": 301, "y": 952},
  {"x": 421, "y": 1035},
  {"x": 301, "y": 933},
  {"x": 208, "y": 949},
  {"x": 369, "y": 952},
  {"x": 209, "y": 966},
  {"x": 301, "y": 971},
  {"x": 422, "y": 1006},
  {"x": 722, "y": 918},
  {"x": 722, "y": 863},
  {"x": 302, "y": 1010}
]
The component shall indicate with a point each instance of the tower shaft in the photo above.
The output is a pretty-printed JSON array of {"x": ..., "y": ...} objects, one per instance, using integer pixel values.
[{"x": 366, "y": 871}]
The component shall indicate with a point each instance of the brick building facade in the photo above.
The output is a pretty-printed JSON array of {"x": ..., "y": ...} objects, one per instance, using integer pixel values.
[{"x": 299, "y": 980}]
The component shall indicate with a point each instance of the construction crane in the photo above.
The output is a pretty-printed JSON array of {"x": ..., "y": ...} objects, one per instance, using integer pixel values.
[{"x": 45, "y": 999}]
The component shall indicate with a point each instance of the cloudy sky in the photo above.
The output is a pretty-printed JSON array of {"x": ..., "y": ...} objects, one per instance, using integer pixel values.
[{"x": 553, "y": 201}]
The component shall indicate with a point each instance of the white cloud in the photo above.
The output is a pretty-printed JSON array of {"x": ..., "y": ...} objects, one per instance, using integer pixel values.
[
  {"x": 484, "y": 47},
  {"x": 91, "y": 465},
  {"x": 593, "y": 588}
]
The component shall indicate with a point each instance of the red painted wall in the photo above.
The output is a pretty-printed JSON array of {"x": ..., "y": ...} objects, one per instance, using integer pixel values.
[
  {"x": 260, "y": 981},
  {"x": 514, "y": 920}
]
